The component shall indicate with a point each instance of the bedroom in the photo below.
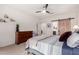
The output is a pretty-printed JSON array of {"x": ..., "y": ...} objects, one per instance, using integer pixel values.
[{"x": 32, "y": 24}]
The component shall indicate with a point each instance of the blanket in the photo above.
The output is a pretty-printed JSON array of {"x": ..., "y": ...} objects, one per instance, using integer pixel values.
[
  {"x": 66, "y": 50},
  {"x": 34, "y": 40},
  {"x": 42, "y": 44}
]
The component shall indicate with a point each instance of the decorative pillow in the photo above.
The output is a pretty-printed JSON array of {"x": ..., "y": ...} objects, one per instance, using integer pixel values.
[
  {"x": 77, "y": 44},
  {"x": 73, "y": 40},
  {"x": 64, "y": 36}
]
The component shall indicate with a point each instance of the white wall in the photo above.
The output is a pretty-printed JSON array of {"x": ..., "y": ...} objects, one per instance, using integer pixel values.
[
  {"x": 27, "y": 22},
  {"x": 68, "y": 14}
]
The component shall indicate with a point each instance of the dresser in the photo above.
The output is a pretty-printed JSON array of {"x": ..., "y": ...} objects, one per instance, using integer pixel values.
[{"x": 23, "y": 36}]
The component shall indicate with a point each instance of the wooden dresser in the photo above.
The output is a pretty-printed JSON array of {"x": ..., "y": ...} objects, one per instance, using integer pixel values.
[{"x": 23, "y": 36}]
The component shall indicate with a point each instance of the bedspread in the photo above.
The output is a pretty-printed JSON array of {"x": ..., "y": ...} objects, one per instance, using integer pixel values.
[
  {"x": 44, "y": 45},
  {"x": 69, "y": 51}
]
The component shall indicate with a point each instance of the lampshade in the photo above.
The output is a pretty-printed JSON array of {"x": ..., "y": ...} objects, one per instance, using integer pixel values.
[
  {"x": 44, "y": 11},
  {"x": 75, "y": 27}
]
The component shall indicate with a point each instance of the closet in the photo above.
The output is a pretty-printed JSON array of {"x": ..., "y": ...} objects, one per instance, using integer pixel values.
[{"x": 7, "y": 33}]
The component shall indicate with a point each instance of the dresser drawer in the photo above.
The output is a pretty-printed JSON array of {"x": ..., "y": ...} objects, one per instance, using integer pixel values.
[{"x": 23, "y": 36}]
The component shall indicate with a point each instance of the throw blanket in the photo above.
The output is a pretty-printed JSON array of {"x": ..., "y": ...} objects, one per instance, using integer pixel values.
[
  {"x": 34, "y": 40},
  {"x": 43, "y": 44},
  {"x": 69, "y": 51}
]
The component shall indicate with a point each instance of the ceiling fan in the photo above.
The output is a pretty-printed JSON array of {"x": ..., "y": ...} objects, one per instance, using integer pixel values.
[{"x": 44, "y": 10}]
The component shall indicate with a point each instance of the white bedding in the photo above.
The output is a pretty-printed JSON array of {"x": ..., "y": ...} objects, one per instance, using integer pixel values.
[
  {"x": 45, "y": 44},
  {"x": 73, "y": 40},
  {"x": 32, "y": 42},
  {"x": 57, "y": 48}
]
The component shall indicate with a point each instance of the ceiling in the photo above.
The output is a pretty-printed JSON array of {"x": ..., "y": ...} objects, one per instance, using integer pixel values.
[{"x": 55, "y": 8}]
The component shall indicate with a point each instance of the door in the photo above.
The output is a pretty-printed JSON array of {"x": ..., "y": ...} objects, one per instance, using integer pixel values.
[{"x": 64, "y": 26}]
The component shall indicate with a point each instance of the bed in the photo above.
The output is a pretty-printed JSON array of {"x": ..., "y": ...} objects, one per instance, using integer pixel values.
[
  {"x": 44, "y": 45},
  {"x": 52, "y": 45}
]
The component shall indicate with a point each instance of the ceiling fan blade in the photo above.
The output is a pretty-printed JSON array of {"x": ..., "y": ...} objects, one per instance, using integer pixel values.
[
  {"x": 48, "y": 12},
  {"x": 37, "y": 11},
  {"x": 44, "y": 10},
  {"x": 46, "y": 6}
]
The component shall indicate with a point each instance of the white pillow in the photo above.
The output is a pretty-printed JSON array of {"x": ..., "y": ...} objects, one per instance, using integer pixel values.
[{"x": 73, "y": 40}]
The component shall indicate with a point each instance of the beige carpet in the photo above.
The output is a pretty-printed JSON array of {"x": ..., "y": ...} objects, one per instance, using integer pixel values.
[{"x": 13, "y": 50}]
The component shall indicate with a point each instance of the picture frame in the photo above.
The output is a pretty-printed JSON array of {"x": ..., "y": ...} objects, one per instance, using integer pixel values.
[{"x": 48, "y": 25}]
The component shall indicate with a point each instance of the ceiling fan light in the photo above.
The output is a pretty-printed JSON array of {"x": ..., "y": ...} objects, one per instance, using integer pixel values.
[{"x": 44, "y": 11}]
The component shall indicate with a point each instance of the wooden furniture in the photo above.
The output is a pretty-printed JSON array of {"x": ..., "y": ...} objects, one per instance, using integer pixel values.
[{"x": 23, "y": 36}]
